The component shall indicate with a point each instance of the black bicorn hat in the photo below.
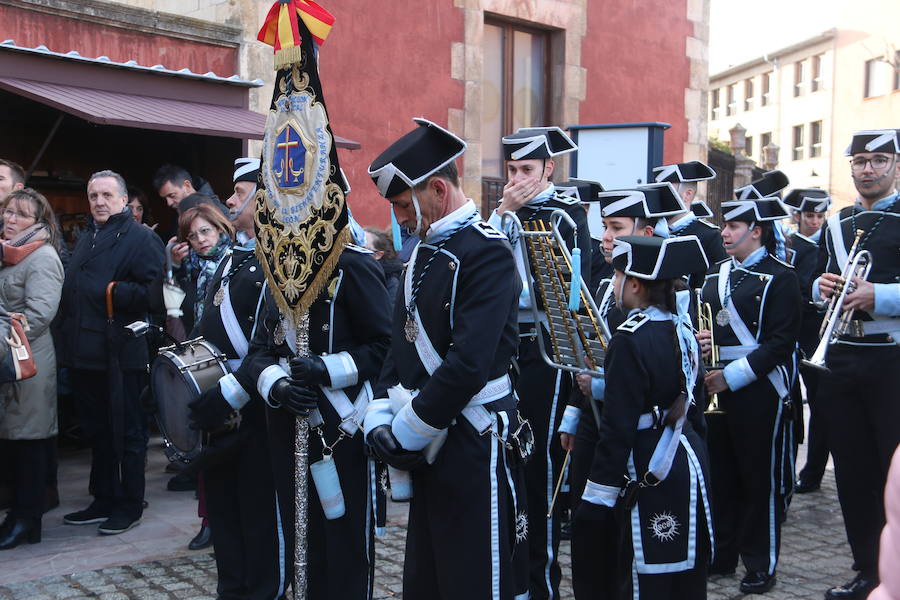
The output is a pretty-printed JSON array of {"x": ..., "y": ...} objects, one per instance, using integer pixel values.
[
  {"x": 580, "y": 189},
  {"x": 644, "y": 201},
  {"x": 414, "y": 157},
  {"x": 754, "y": 211},
  {"x": 701, "y": 209},
  {"x": 685, "y": 172},
  {"x": 537, "y": 143},
  {"x": 808, "y": 200},
  {"x": 769, "y": 184},
  {"x": 656, "y": 258},
  {"x": 246, "y": 169},
  {"x": 874, "y": 140}
]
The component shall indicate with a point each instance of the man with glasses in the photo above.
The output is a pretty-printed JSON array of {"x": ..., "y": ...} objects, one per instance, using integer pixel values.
[{"x": 858, "y": 393}]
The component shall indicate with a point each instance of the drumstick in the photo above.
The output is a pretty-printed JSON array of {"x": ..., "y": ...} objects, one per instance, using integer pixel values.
[{"x": 562, "y": 473}]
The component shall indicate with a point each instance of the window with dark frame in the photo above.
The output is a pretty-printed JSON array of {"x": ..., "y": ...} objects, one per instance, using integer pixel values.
[
  {"x": 815, "y": 83},
  {"x": 748, "y": 94},
  {"x": 815, "y": 139},
  {"x": 766, "y": 83},
  {"x": 714, "y": 104},
  {"x": 764, "y": 140},
  {"x": 798, "y": 143},
  {"x": 799, "y": 76},
  {"x": 730, "y": 105},
  {"x": 515, "y": 86}
]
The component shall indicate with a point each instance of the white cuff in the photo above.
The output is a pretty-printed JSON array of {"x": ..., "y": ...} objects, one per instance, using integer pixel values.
[
  {"x": 598, "y": 388},
  {"x": 887, "y": 299},
  {"x": 174, "y": 312},
  {"x": 570, "y": 420},
  {"x": 341, "y": 369},
  {"x": 378, "y": 413},
  {"x": 411, "y": 431},
  {"x": 267, "y": 379},
  {"x": 602, "y": 495},
  {"x": 738, "y": 374},
  {"x": 814, "y": 291},
  {"x": 234, "y": 392}
]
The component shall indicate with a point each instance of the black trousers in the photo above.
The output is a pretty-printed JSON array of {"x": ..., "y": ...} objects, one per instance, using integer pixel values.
[
  {"x": 543, "y": 392},
  {"x": 595, "y": 544},
  {"x": 816, "y": 448},
  {"x": 240, "y": 503},
  {"x": 30, "y": 462},
  {"x": 116, "y": 490},
  {"x": 745, "y": 454},
  {"x": 860, "y": 402},
  {"x": 340, "y": 552},
  {"x": 467, "y": 533}
]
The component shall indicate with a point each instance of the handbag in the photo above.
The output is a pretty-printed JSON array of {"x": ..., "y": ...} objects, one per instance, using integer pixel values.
[{"x": 18, "y": 363}]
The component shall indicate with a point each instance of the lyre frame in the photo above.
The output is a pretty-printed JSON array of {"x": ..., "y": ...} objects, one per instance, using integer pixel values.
[{"x": 510, "y": 218}]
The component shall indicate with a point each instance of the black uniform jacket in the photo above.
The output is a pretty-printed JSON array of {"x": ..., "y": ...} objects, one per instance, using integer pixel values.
[
  {"x": 768, "y": 302},
  {"x": 710, "y": 239},
  {"x": 122, "y": 251},
  {"x": 351, "y": 315},
  {"x": 806, "y": 258},
  {"x": 468, "y": 306},
  {"x": 883, "y": 243}
]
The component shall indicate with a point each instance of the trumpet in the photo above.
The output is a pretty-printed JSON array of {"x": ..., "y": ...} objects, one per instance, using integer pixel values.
[
  {"x": 837, "y": 319},
  {"x": 705, "y": 322}
]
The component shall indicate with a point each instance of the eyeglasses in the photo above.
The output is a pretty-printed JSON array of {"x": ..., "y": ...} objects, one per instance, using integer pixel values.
[
  {"x": 9, "y": 213},
  {"x": 877, "y": 162},
  {"x": 202, "y": 232}
]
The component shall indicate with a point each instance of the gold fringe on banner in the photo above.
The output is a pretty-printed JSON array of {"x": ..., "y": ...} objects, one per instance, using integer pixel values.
[{"x": 288, "y": 56}]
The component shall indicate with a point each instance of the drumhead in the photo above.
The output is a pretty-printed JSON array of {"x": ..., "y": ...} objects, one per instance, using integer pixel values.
[{"x": 172, "y": 398}]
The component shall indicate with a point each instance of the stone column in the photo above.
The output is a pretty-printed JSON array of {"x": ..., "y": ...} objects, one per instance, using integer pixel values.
[{"x": 770, "y": 156}]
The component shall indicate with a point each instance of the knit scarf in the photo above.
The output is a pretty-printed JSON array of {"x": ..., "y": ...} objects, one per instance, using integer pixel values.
[
  {"x": 30, "y": 239},
  {"x": 205, "y": 268}
]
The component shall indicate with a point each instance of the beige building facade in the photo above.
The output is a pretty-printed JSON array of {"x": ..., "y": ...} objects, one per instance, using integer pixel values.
[{"x": 808, "y": 98}]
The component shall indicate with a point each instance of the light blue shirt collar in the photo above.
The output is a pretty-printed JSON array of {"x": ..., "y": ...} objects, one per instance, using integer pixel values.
[
  {"x": 683, "y": 222},
  {"x": 755, "y": 256},
  {"x": 446, "y": 225},
  {"x": 654, "y": 312}
]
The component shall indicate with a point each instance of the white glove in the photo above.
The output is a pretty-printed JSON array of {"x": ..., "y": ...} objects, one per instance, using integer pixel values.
[{"x": 173, "y": 296}]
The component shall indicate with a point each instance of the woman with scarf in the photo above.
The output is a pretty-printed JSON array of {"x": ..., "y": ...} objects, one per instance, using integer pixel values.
[
  {"x": 755, "y": 301},
  {"x": 31, "y": 278},
  {"x": 209, "y": 235},
  {"x": 649, "y": 478}
]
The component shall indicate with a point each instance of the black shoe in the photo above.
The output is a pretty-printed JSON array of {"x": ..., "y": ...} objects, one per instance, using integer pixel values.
[
  {"x": 857, "y": 588},
  {"x": 88, "y": 516},
  {"x": 202, "y": 540},
  {"x": 117, "y": 524},
  {"x": 757, "y": 582},
  {"x": 20, "y": 531},
  {"x": 182, "y": 483},
  {"x": 805, "y": 487}
]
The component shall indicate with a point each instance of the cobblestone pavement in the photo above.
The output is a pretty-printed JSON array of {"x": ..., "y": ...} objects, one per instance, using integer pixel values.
[{"x": 815, "y": 555}]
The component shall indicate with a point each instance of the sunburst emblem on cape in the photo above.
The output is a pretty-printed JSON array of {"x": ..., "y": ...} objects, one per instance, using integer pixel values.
[
  {"x": 664, "y": 527},
  {"x": 521, "y": 527}
]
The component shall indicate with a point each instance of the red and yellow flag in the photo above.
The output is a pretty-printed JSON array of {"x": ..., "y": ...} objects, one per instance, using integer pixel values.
[{"x": 281, "y": 29}]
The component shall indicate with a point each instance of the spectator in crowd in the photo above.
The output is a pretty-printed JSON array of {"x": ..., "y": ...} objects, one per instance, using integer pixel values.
[
  {"x": 31, "y": 278},
  {"x": 12, "y": 177},
  {"x": 115, "y": 260},
  {"x": 140, "y": 208},
  {"x": 379, "y": 242},
  {"x": 174, "y": 184}
]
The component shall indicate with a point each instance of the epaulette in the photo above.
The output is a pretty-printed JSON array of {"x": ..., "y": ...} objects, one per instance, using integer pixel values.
[
  {"x": 708, "y": 224},
  {"x": 488, "y": 230},
  {"x": 633, "y": 323},
  {"x": 568, "y": 200},
  {"x": 358, "y": 249}
]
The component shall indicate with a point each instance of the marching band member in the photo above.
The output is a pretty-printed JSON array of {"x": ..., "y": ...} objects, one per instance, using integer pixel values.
[
  {"x": 755, "y": 298},
  {"x": 445, "y": 391},
  {"x": 542, "y": 390},
  {"x": 349, "y": 333},
  {"x": 809, "y": 207},
  {"x": 624, "y": 213},
  {"x": 685, "y": 176},
  {"x": 240, "y": 491},
  {"x": 646, "y": 435},
  {"x": 586, "y": 193},
  {"x": 858, "y": 395}
]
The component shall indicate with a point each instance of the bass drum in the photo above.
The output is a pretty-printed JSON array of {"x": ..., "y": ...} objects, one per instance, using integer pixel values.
[{"x": 179, "y": 375}]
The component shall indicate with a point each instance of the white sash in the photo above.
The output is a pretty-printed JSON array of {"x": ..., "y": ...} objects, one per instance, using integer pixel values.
[
  {"x": 837, "y": 240},
  {"x": 229, "y": 320},
  {"x": 742, "y": 332}
]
